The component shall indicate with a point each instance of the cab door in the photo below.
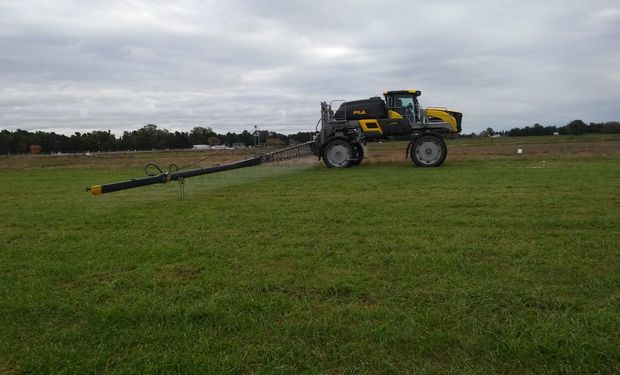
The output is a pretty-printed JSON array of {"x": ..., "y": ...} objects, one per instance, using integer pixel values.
[
  {"x": 401, "y": 114},
  {"x": 403, "y": 104}
]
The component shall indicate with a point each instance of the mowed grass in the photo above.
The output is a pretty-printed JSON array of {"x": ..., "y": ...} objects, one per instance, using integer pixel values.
[{"x": 474, "y": 267}]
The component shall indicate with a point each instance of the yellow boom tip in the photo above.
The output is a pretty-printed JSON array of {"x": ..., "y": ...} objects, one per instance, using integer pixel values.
[{"x": 95, "y": 189}]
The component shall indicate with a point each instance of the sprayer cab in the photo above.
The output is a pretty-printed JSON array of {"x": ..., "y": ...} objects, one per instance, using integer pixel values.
[{"x": 403, "y": 103}]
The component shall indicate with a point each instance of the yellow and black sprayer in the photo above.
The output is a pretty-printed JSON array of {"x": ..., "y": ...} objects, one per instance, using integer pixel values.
[{"x": 342, "y": 135}]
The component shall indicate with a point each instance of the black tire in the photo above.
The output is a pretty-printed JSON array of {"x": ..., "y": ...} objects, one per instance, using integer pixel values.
[
  {"x": 338, "y": 153},
  {"x": 358, "y": 154},
  {"x": 428, "y": 151}
]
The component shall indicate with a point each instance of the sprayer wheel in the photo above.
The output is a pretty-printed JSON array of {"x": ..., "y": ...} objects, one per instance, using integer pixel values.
[
  {"x": 338, "y": 153},
  {"x": 429, "y": 151}
]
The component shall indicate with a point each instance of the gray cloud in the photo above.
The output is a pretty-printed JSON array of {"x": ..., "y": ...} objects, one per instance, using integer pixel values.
[{"x": 82, "y": 65}]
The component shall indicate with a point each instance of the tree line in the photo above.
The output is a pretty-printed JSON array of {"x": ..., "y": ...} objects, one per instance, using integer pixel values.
[
  {"x": 574, "y": 127},
  {"x": 149, "y": 137}
]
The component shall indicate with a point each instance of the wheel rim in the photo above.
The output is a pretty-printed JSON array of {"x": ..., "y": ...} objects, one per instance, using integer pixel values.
[
  {"x": 428, "y": 151},
  {"x": 338, "y": 154}
]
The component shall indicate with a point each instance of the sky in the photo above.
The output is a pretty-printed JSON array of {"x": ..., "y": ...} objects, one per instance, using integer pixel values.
[{"x": 76, "y": 66}]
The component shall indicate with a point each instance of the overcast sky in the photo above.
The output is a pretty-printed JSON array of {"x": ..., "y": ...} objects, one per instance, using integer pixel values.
[{"x": 84, "y": 65}]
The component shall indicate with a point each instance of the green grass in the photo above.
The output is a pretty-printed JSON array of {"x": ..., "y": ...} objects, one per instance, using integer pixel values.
[{"x": 475, "y": 267}]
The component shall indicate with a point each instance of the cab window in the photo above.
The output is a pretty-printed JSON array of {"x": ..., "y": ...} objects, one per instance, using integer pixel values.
[{"x": 403, "y": 101}]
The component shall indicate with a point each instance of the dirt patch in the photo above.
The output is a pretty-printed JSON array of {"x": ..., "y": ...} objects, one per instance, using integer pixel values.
[
  {"x": 8, "y": 368},
  {"x": 181, "y": 272},
  {"x": 533, "y": 151}
]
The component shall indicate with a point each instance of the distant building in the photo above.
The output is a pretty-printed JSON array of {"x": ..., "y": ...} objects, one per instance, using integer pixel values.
[
  {"x": 201, "y": 147},
  {"x": 35, "y": 149},
  {"x": 238, "y": 145}
]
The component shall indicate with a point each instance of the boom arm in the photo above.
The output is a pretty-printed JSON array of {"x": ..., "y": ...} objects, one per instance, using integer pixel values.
[
  {"x": 172, "y": 176},
  {"x": 302, "y": 150}
]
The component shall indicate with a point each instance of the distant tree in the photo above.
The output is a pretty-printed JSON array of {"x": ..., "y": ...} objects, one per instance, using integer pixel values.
[
  {"x": 213, "y": 140},
  {"x": 274, "y": 142},
  {"x": 146, "y": 137},
  {"x": 301, "y": 137},
  {"x": 200, "y": 135},
  {"x": 127, "y": 142},
  {"x": 537, "y": 129},
  {"x": 5, "y": 142},
  {"x": 247, "y": 138},
  {"x": 576, "y": 127},
  {"x": 515, "y": 132},
  {"x": 101, "y": 140},
  {"x": 550, "y": 130},
  {"x": 611, "y": 127},
  {"x": 534, "y": 130},
  {"x": 180, "y": 140},
  {"x": 594, "y": 127},
  {"x": 22, "y": 139}
]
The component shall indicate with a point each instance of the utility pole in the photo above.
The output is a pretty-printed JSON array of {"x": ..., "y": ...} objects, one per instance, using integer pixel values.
[{"x": 256, "y": 136}]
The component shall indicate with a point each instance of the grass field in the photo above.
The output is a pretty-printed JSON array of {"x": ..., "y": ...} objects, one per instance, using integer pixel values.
[{"x": 485, "y": 265}]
